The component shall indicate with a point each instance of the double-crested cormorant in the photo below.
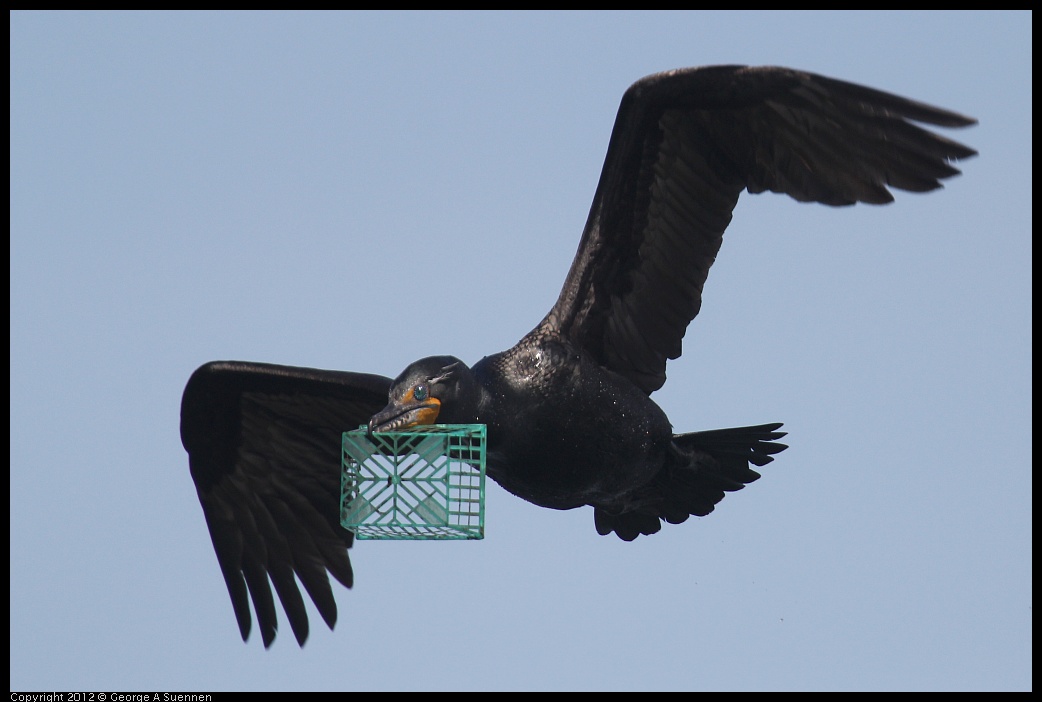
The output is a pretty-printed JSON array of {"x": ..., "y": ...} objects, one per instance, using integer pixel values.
[{"x": 568, "y": 412}]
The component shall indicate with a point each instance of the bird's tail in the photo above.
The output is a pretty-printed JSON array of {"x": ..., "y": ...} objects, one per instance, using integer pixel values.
[{"x": 708, "y": 464}]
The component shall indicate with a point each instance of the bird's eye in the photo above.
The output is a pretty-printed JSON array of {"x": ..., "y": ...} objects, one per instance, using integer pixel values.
[{"x": 419, "y": 393}]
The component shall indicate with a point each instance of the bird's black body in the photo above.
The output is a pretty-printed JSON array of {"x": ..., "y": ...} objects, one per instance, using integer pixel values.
[
  {"x": 555, "y": 414},
  {"x": 570, "y": 421},
  {"x": 552, "y": 413}
]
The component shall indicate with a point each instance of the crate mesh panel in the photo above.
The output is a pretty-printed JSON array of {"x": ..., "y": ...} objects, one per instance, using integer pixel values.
[{"x": 427, "y": 483}]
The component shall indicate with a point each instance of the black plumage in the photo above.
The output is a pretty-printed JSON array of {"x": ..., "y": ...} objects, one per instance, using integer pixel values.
[{"x": 570, "y": 421}]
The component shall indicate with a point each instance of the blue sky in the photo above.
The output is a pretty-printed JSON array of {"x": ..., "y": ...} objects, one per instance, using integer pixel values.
[{"x": 357, "y": 190}]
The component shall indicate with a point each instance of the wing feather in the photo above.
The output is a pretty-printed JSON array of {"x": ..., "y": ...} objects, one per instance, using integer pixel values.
[
  {"x": 264, "y": 450},
  {"x": 684, "y": 146}
]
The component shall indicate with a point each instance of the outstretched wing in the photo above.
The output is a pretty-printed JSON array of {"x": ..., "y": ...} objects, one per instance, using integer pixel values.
[
  {"x": 684, "y": 146},
  {"x": 263, "y": 443}
]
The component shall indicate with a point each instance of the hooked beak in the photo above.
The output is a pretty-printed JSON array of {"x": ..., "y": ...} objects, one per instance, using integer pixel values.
[{"x": 408, "y": 412}]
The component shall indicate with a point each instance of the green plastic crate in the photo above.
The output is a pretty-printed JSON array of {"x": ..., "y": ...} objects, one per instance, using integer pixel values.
[{"x": 426, "y": 483}]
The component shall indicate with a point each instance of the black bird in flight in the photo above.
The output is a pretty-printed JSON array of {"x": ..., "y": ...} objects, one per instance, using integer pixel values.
[{"x": 568, "y": 413}]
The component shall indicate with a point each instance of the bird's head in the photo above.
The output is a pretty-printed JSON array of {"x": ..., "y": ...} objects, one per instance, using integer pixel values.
[{"x": 423, "y": 393}]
